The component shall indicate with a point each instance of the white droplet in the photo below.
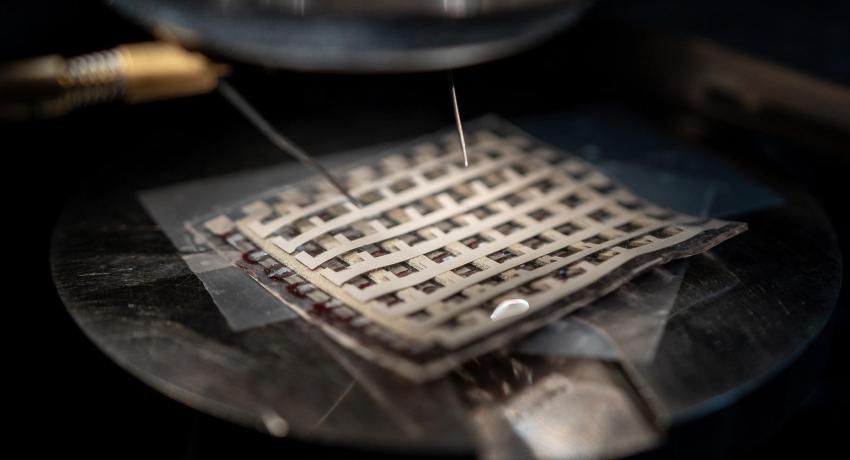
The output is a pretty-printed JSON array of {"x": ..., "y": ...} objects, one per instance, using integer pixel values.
[
  {"x": 510, "y": 307},
  {"x": 274, "y": 423}
]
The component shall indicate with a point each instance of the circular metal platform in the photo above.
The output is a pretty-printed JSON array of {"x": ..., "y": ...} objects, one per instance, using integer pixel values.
[{"x": 744, "y": 311}]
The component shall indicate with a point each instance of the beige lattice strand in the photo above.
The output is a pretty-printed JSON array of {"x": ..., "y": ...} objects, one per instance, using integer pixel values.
[
  {"x": 434, "y": 158},
  {"x": 410, "y": 279},
  {"x": 450, "y": 208},
  {"x": 521, "y": 221},
  {"x": 422, "y": 188}
]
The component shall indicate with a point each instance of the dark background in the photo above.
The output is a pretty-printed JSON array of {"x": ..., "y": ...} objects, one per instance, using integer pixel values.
[{"x": 69, "y": 396}]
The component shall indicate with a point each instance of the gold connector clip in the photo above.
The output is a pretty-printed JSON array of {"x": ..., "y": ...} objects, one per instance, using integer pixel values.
[{"x": 50, "y": 86}]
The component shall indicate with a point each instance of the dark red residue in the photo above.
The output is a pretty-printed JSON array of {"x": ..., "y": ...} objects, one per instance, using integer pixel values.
[
  {"x": 320, "y": 308},
  {"x": 251, "y": 257},
  {"x": 273, "y": 268},
  {"x": 439, "y": 257},
  {"x": 293, "y": 289}
]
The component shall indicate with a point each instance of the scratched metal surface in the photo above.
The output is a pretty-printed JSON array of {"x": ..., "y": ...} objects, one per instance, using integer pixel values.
[{"x": 743, "y": 312}]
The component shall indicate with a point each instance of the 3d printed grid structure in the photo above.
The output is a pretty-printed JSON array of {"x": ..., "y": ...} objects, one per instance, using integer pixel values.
[{"x": 411, "y": 278}]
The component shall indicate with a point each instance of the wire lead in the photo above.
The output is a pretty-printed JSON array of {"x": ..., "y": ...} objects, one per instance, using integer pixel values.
[
  {"x": 457, "y": 119},
  {"x": 279, "y": 140}
]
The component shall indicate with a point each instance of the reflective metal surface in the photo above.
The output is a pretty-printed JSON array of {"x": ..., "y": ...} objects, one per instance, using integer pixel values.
[
  {"x": 357, "y": 36},
  {"x": 743, "y": 312}
]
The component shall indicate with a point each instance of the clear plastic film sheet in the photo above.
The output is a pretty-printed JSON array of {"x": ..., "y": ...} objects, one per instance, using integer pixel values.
[
  {"x": 242, "y": 302},
  {"x": 630, "y": 321}
]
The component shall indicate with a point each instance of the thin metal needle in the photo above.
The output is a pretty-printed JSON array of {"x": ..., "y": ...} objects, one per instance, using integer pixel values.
[
  {"x": 457, "y": 119},
  {"x": 279, "y": 140}
]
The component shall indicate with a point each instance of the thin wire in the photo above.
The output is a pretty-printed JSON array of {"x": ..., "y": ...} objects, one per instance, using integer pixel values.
[
  {"x": 279, "y": 140},
  {"x": 334, "y": 406},
  {"x": 457, "y": 119}
]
